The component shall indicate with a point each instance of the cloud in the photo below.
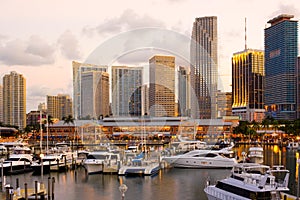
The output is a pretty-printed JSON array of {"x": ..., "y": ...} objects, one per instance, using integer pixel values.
[
  {"x": 69, "y": 45},
  {"x": 285, "y": 9},
  {"x": 127, "y": 21},
  {"x": 33, "y": 52}
]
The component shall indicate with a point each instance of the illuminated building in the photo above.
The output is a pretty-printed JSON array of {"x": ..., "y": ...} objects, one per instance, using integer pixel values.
[{"x": 248, "y": 85}]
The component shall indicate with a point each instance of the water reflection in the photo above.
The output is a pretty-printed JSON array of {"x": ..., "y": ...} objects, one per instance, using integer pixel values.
[{"x": 167, "y": 184}]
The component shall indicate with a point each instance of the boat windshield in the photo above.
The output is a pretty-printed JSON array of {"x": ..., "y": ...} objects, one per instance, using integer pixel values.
[{"x": 100, "y": 157}]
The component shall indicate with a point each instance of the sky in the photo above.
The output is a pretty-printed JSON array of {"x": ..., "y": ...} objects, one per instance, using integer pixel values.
[{"x": 41, "y": 38}]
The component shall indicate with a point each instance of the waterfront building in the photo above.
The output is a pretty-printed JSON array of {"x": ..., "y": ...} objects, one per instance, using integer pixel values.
[
  {"x": 162, "y": 86},
  {"x": 248, "y": 77},
  {"x": 59, "y": 106},
  {"x": 281, "y": 51},
  {"x": 127, "y": 91},
  {"x": 184, "y": 91},
  {"x": 122, "y": 130},
  {"x": 14, "y": 99},
  {"x": 1, "y": 103},
  {"x": 204, "y": 67},
  {"x": 78, "y": 69},
  {"x": 224, "y": 103},
  {"x": 94, "y": 94},
  {"x": 33, "y": 118}
]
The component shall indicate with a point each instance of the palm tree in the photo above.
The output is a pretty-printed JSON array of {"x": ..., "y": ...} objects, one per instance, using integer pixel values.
[{"x": 69, "y": 119}]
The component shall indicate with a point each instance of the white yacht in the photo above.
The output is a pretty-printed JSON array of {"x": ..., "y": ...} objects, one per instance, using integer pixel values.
[
  {"x": 19, "y": 161},
  {"x": 203, "y": 159},
  {"x": 96, "y": 159},
  {"x": 256, "y": 154},
  {"x": 251, "y": 181},
  {"x": 185, "y": 144},
  {"x": 138, "y": 165}
]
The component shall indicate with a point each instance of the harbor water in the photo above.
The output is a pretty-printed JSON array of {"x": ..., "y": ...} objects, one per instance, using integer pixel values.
[{"x": 168, "y": 184}]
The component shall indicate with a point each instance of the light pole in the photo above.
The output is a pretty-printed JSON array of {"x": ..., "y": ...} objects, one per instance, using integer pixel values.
[
  {"x": 2, "y": 174},
  {"x": 42, "y": 166},
  {"x": 123, "y": 188}
]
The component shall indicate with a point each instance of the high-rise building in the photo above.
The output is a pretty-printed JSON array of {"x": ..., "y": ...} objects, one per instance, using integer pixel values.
[
  {"x": 224, "y": 103},
  {"x": 78, "y": 69},
  {"x": 127, "y": 91},
  {"x": 145, "y": 99},
  {"x": 59, "y": 106},
  {"x": 162, "y": 86},
  {"x": 298, "y": 87},
  {"x": 14, "y": 99},
  {"x": 94, "y": 94},
  {"x": 184, "y": 91},
  {"x": 204, "y": 67},
  {"x": 1, "y": 103},
  {"x": 281, "y": 51},
  {"x": 248, "y": 76}
]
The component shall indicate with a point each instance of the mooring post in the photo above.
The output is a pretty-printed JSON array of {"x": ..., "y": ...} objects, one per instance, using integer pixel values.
[
  {"x": 53, "y": 181},
  {"x": 26, "y": 192},
  {"x": 49, "y": 187},
  {"x": 36, "y": 190}
]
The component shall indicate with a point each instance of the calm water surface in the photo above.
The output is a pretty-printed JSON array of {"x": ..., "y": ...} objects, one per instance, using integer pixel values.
[{"x": 169, "y": 184}]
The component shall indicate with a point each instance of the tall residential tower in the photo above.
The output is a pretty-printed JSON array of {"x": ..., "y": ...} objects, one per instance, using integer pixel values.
[
  {"x": 204, "y": 68},
  {"x": 14, "y": 99}
]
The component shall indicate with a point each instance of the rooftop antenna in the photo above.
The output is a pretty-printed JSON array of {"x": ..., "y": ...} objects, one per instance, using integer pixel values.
[{"x": 245, "y": 33}]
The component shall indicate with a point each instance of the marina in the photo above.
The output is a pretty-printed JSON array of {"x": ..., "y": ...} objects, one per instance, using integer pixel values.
[{"x": 167, "y": 183}]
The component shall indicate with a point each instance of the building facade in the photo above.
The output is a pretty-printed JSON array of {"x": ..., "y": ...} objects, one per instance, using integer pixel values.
[
  {"x": 224, "y": 103},
  {"x": 281, "y": 51},
  {"x": 184, "y": 91},
  {"x": 298, "y": 87},
  {"x": 94, "y": 94},
  {"x": 162, "y": 86},
  {"x": 127, "y": 91},
  {"x": 248, "y": 81},
  {"x": 1, "y": 103},
  {"x": 78, "y": 69},
  {"x": 204, "y": 67},
  {"x": 14, "y": 99},
  {"x": 59, "y": 106}
]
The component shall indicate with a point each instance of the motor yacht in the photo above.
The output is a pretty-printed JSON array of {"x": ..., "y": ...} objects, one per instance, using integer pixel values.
[
  {"x": 250, "y": 181},
  {"x": 203, "y": 159},
  {"x": 97, "y": 159},
  {"x": 138, "y": 165},
  {"x": 256, "y": 154},
  {"x": 19, "y": 161}
]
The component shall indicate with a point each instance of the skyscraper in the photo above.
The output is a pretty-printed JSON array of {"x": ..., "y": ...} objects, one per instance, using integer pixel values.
[
  {"x": 1, "y": 103},
  {"x": 94, "y": 94},
  {"x": 127, "y": 91},
  {"x": 224, "y": 104},
  {"x": 204, "y": 67},
  {"x": 184, "y": 91},
  {"x": 281, "y": 50},
  {"x": 162, "y": 86},
  {"x": 298, "y": 87},
  {"x": 59, "y": 106},
  {"x": 78, "y": 69},
  {"x": 248, "y": 85},
  {"x": 14, "y": 99}
]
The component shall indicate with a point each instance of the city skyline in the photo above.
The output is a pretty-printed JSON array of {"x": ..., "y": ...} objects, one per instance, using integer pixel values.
[{"x": 52, "y": 34}]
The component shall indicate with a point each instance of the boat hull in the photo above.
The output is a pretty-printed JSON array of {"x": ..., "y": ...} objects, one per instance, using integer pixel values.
[{"x": 93, "y": 168}]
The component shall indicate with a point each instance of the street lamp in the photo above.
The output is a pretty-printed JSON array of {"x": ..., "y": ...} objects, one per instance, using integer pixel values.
[{"x": 123, "y": 188}]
